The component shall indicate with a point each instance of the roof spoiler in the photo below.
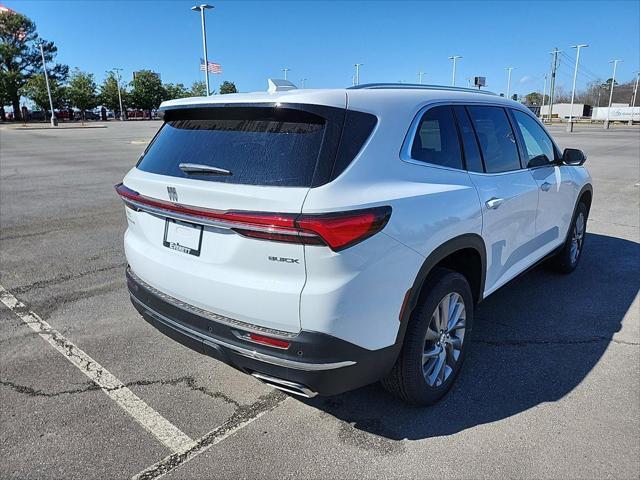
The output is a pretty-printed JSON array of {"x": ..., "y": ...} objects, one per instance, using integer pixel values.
[{"x": 279, "y": 85}]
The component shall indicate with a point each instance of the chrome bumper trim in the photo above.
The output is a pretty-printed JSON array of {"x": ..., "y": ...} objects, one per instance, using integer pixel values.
[
  {"x": 214, "y": 342},
  {"x": 232, "y": 322}
]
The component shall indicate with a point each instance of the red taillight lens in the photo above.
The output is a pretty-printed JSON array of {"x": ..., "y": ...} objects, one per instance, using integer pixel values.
[
  {"x": 337, "y": 230},
  {"x": 343, "y": 229},
  {"x": 272, "y": 342}
]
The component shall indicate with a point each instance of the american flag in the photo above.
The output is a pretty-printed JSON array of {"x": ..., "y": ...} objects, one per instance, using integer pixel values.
[{"x": 211, "y": 67}]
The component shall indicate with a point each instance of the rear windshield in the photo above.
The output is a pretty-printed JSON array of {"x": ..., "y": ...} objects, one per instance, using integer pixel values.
[{"x": 258, "y": 146}]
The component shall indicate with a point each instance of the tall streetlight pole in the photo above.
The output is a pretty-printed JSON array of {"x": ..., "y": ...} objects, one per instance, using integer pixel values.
[
  {"x": 357, "y": 77},
  {"x": 453, "y": 75},
  {"x": 544, "y": 94},
  {"x": 118, "y": 70},
  {"x": 201, "y": 9},
  {"x": 420, "y": 75},
  {"x": 552, "y": 86},
  {"x": 509, "y": 70},
  {"x": 633, "y": 98},
  {"x": 302, "y": 81},
  {"x": 573, "y": 90},
  {"x": 54, "y": 122},
  {"x": 285, "y": 70},
  {"x": 613, "y": 82}
]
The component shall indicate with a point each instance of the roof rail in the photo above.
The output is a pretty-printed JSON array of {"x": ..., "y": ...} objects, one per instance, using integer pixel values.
[{"x": 416, "y": 86}]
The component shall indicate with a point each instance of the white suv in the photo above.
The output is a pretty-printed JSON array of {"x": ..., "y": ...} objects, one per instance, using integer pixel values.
[{"x": 321, "y": 240}]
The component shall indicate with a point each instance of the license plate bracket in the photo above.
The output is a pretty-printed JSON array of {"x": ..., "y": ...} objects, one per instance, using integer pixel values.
[{"x": 183, "y": 237}]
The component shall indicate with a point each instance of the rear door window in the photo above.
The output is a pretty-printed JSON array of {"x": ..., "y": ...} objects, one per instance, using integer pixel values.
[
  {"x": 472, "y": 157},
  {"x": 259, "y": 146},
  {"x": 496, "y": 138},
  {"x": 436, "y": 139}
]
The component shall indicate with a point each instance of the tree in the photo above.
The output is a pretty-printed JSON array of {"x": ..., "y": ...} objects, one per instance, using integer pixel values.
[
  {"x": 36, "y": 90},
  {"x": 20, "y": 57},
  {"x": 535, "y": 98},
  {"x": 199, "y": 89},
  {"x": 109, "y": 93},
  {"x": 228, "y": 87},
  {"x": 147, "y": 92},
  {"x": 81, "y": 91},
  {"x": 175, "y": 90}
]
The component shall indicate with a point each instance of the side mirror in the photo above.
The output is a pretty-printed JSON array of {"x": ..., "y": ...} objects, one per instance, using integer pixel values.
[{"x": 573, "y": 156}]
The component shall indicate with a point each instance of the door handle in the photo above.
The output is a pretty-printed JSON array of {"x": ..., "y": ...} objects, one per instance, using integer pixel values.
[
  {"x": 493, "y": 203},
  {"x": 545, "y": 186}
]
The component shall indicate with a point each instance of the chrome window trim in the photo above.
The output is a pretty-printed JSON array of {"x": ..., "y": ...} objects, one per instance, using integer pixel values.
[{"x": 405, "y": 150}]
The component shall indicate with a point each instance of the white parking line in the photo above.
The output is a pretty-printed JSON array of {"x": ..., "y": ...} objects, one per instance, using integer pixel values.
[{"x": 167, "y": 433}]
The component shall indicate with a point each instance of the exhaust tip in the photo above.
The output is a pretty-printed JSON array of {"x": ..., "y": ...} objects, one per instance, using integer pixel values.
[{"x": 285, "y": 385}]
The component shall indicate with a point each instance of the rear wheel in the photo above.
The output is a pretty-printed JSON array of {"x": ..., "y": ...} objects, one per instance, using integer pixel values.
[
  {"x": 567, "y": 259},
  {"x": 435, "y": 341}
]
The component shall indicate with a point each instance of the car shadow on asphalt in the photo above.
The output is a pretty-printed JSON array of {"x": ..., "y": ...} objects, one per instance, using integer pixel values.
[{"x": 534, "y": 341}]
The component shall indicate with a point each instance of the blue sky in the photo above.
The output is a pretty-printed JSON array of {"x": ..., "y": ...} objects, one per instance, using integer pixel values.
[{"x": 322, "y": 40}]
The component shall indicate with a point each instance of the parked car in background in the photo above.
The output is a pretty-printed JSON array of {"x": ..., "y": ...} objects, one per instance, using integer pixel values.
[{"x": 321, "y": 240}]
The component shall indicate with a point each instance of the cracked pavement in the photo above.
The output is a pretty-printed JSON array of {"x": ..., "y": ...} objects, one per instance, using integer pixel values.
[{"x": 551, "y": 387}]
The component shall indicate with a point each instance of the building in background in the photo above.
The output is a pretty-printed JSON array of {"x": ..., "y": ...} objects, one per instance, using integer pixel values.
[{"x": 563, "y": 110}]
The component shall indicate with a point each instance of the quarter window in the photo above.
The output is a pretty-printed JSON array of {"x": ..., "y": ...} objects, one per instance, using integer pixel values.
[
  {"x": 436, "y": 140},
  {"x": 537, "y": 143},
  {"x": 496, "y": 138}
]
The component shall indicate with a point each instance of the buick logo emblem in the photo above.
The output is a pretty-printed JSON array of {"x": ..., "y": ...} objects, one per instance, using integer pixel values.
[{"x": 173, "y": 195}]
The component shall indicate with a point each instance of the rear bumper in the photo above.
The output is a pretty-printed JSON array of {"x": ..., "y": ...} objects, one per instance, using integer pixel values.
[{"x": 315, "y": 362}]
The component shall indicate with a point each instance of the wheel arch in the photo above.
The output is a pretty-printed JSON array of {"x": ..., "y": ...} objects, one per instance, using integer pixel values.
[{"x": 447, "y": 255}]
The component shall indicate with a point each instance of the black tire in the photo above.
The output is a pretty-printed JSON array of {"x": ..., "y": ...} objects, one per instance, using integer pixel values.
[
  {"x": 407, "y": 379},
  {"x": 566, "y": 261}
]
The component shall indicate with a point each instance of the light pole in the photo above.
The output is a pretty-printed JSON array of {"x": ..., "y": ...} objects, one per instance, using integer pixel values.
[
  {"x": 54, "y": 122},
  {"x": 357, "y": 77},
  {"x": 118, "y": 70},
  {"x": 302, "y": 81},
  {"x": 633, "y": 98},
  {"x": 573, "y": 90},
  {"x": 544, "y": 94},
  {"x": 201, "y": 9},
  {"x": 509, "y": 69},
  {"x": 613, "y": 82},
  {"x": 420, "y": 75},
  {"x": 453, "y": 75},
  {"x": 285, "y": 70}
]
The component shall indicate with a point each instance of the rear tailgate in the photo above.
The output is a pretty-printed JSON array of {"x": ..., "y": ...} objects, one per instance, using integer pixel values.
[{"x": 274, "y": 154}]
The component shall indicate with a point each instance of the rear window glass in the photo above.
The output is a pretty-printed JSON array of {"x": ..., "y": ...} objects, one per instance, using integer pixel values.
[
  {"x": 436, "y": 140},
  {"x": 258, "y": 146}
]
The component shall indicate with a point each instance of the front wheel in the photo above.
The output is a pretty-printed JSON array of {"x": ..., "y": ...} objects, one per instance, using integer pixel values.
[
  {"x": 567, "y": 259},
  {"x": 435, "y": 341}
]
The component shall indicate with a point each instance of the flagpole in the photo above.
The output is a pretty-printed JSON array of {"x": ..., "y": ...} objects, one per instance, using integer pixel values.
[{"x": 201, "y": 9}]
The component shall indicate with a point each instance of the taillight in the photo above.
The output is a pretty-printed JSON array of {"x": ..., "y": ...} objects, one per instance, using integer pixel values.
[
  {"x": 271, "y": 342},
  {"x": 337, "y": 230}
]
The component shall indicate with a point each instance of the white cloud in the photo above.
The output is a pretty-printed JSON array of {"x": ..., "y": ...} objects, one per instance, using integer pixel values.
[{"x": 526, "y": 79}]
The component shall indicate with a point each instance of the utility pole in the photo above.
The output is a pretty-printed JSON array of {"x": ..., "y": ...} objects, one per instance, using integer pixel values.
[
  {"x": 552, "y": 87},
  {"x": 633, "y": 98},
  {"x": 356, "y": 80},
  {"x": 54, "y": 121},
  {"x": 201, "y": 9},
  {"x": 302, "y": 80},
  {"x": 613, "y": 82},
  {"x": 285, "y": 70},
  {"x": 573, "y": 90},
  {"x": 509, "y": 69},
  {"x": 420, "y": 75},
  {"x": 118, "y": 70},
  {"x": 544, "y": 94},
  {"x": 453, "y": 75}
]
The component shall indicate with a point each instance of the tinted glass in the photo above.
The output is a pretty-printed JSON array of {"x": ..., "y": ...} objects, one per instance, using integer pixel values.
[
  {"x": 469, "y": 143},
  {"x": 436, "y": 140},
  {"x": 537, "y": 143},
  {"x": 496, "y": 138},
  {"x": 261, "y": 146}
]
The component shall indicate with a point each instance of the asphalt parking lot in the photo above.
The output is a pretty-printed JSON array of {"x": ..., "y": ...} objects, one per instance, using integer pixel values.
[{"x": 551, "y": 387}]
